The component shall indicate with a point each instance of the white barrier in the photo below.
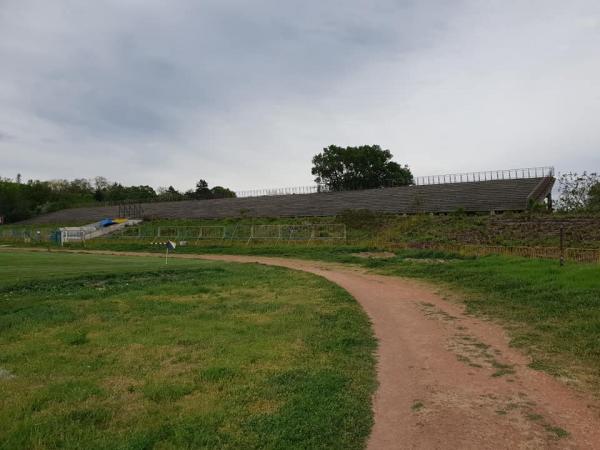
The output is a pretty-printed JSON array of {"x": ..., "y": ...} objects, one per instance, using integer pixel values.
[{"x": 91, "y": 231}]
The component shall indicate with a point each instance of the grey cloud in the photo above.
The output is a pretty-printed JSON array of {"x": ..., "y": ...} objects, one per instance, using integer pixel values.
[
  {"x": 6, "y": 136},
  {"x": 202, "y": 86},
  {"x": 129, "y": 77}
]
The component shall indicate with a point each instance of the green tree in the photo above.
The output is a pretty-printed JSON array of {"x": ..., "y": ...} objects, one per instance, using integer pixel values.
[
  {"x": 221, "y": 192},
  {"x": 363, "y": 167},
  {"x": 578, "y": 192},
  {"x": 173, "y": 194},
  {"x": 202, "y": 191},
  {"x": 594, "y": 197},
  {"x": 19, "y": 201},
  {"x": 14, "y": 204}
]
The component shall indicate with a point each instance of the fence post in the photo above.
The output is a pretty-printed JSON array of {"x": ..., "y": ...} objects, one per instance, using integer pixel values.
[
  {"x": 251, "y": 234},
  {"x": 562, "y": 246}
]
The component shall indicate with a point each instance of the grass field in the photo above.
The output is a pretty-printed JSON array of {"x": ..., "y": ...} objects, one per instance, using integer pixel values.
[
  {"x": 119, "y": 352},
  {"x": 552, "y": 313}
]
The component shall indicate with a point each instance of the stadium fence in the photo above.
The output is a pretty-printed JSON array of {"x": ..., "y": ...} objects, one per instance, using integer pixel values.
[
  {"x": 580, "y": 255},
  {"x": 195, "y": 234}
]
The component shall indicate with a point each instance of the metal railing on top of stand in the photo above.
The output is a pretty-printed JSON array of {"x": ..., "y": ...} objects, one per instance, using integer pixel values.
[{"x": 465, "y": 177}]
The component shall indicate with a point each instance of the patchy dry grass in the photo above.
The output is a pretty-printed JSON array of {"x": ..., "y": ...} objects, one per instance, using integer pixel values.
[{"x": 124, "y": 353}]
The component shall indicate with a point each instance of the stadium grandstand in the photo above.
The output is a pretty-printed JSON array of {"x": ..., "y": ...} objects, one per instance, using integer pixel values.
[{"x": 476, "y": 192}]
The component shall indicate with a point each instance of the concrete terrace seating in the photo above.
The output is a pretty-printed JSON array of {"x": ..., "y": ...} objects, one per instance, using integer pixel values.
[{"x": 481, "y": 196}]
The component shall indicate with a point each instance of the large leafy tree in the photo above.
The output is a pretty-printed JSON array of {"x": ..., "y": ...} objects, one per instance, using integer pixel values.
[{"x": 363, "y": 167}]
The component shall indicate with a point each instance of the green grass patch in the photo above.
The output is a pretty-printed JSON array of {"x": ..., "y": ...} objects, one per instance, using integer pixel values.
[
  {"x": 20, "y": 267},
  {"x": 119, "y": 352}
]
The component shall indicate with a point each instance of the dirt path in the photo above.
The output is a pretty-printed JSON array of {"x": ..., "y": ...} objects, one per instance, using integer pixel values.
[
  {"x": 447, "y": 380},
  {"x": 451, "y": 381}
]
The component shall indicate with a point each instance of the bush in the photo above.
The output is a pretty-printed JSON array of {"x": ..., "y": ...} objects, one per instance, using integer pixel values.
[{"x": 361, "y": 219}]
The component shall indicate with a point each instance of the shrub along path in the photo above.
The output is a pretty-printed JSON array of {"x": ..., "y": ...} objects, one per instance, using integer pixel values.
[{"x": 447, "y": 379}]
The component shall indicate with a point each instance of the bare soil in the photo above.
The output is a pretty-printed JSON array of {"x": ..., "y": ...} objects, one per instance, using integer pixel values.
[{"x": 448, "y": 380}]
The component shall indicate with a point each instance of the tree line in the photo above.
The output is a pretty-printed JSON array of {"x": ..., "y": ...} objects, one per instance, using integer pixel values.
[{"x": 22, "y": 200}]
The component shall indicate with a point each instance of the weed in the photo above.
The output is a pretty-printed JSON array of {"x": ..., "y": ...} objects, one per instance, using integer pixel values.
[
  {"x": 534, "y": 417},
  {"x": 417, "y": 406},
  {"x": 557, "y": 431}
]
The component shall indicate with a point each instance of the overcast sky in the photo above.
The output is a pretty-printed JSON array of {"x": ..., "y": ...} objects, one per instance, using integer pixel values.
[{"x": 244, "y": 93}]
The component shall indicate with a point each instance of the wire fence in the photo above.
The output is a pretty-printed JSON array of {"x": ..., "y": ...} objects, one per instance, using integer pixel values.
[
  {"x": 27, "y": 235},
  {"x": 314, "y": 189},
  {"x": 298, "y": 233},
  {"x": 579, "y": 255},
  {"x": 243, "y": 232}
]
